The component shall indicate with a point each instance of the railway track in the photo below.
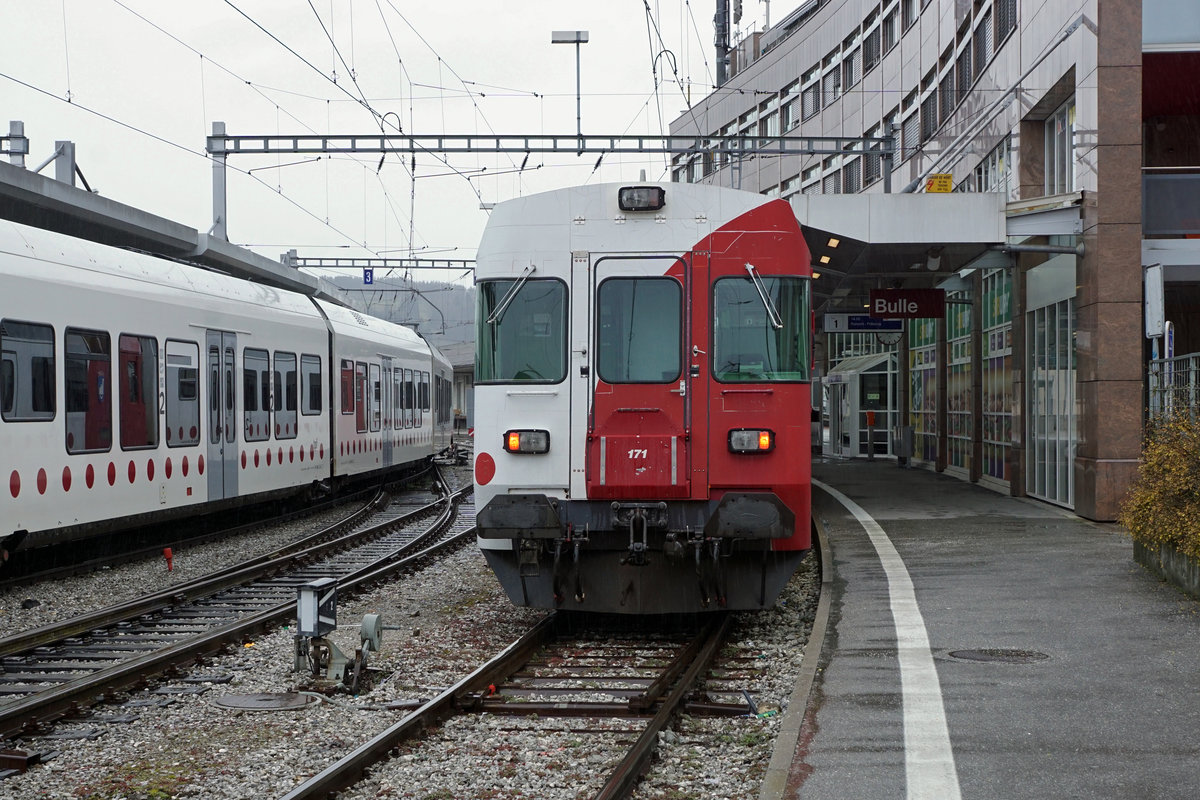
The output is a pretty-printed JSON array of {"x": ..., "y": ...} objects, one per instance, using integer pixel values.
[
  {"x": 627, "y": 688},
  {"x": 57, "y": 670}
]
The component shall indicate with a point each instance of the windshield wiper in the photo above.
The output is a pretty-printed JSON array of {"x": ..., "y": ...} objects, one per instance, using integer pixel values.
[
  {"x": 772, "y": 314},
  {"x": 510, "y": 294}
]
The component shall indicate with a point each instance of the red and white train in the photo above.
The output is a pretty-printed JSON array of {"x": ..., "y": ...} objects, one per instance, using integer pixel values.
[
  {"x": 135, "y": 388},
  {"x": 642, "y": 398}
]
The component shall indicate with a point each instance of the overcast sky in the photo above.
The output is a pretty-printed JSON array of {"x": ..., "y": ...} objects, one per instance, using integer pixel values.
[{"x": 146, "y": 79}]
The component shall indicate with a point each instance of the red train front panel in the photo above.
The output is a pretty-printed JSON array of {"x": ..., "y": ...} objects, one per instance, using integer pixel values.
[{"x": 688, "y": 485}]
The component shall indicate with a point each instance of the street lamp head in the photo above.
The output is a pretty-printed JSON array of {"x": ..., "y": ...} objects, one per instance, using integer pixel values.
[{"x": 568, "y": 37}]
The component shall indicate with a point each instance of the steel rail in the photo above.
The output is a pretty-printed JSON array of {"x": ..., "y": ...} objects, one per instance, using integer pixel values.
[
  {"x": 351, "y": 767},
  {"x": 48, "y": 705},
  {"x": 626, "y": 775}
]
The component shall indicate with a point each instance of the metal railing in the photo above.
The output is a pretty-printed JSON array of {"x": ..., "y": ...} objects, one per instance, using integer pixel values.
[{"x": 1174, "y": 384}]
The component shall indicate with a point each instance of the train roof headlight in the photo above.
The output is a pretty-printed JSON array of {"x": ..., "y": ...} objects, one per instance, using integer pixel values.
[
  {"x": 641, "y": 198},
  {"x": 527, "y": 441},
  {"x": 751, "y": 440}
]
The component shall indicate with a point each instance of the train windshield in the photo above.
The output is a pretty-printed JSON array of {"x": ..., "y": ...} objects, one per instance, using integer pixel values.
[
  {"x": 761, "y": 329},
  {"x": 521, "y": 338},
  {"x": 638, "y": 330}
]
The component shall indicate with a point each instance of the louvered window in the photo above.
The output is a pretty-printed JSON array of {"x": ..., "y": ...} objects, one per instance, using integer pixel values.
[
  {"x": 983, "y": 42},
  {"x": 852, "y": 177}
]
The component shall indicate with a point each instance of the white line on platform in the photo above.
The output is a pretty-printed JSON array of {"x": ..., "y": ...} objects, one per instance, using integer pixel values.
[{"x": 928, "y": 757}]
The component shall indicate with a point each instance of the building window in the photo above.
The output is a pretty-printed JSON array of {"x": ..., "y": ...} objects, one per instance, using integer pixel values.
[
  {"x": 911, "y": 12},
  {"x": 831, "y": 81},
  {"x": 992, "y": 174},
  {"x": 872, "y": 161},
  {"x": 983, "y": 42},
  {"x": 790, "y": 187},
  {"x": 1006, "y": 18},
  {"x": 964, "y": 74},
  {"x": 889, "y": 30},
  {"x": 810, "y": 180},
  {"x": 852, "y": 176},
  {"x": 1060, "y": 145},
  {"x": 789, "y": 111},
  {"x": 946, "y": 96}
]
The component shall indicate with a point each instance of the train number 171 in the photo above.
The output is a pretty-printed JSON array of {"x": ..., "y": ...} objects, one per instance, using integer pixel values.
[{"x": 639, "y": 453}]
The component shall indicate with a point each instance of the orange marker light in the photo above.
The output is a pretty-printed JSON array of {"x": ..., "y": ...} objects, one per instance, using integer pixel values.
[
  {"x": 514, "y": 441},
  {"x": 764, "y": 440}
]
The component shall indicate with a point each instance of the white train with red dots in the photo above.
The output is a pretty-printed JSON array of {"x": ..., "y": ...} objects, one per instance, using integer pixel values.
[
  {"x": 642, "y": 398},
  {"x": 135, "y": 388}
]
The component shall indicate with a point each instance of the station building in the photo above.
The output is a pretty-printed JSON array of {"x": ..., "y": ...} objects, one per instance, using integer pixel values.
[{"x": 1031, "y": 159}]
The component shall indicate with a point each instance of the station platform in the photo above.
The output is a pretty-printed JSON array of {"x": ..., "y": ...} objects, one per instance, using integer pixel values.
[{"x": 981, "y": 646}]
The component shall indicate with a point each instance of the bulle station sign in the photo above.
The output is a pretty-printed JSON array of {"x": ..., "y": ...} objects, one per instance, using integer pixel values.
[{"x": 908, "y": 303}]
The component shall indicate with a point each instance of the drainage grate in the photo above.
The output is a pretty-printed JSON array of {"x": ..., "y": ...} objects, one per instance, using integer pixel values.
[
  {"x": 265, "y": 701},
  {"x": 1003, "y": 655}
]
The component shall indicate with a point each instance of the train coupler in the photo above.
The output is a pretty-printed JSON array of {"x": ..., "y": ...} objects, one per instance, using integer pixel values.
[{"x": 637, "y": 548}]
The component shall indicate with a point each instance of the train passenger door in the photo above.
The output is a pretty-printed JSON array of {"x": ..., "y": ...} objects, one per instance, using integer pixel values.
[
  {"x": 222, "y": 421},
  {"x": 639, "y": 418},
  {"x": 385, "y": 407}
]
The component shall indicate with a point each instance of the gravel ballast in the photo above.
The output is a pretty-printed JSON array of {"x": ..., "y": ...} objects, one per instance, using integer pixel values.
[{"x": 451, "y": 617}]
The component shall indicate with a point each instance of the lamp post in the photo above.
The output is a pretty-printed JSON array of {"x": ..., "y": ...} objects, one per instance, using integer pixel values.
[{"x": 576, "y": 38}]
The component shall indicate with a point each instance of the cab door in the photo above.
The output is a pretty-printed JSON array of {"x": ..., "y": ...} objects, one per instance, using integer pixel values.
[{"x": 640, "y": 410}]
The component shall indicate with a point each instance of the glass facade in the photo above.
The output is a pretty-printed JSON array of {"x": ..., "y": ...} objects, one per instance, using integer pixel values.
[
  {"x": 1051, "y": 434},
  {"x": 997, "y": 378},
  {"x": 959, "y": 400},
  {"x": 922, "y": 387}
]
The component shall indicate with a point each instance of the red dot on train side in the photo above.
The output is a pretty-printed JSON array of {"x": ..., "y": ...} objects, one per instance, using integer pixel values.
[
  {"x": 194, "y": 434},
  {"x": 14, "y": 483},
  {"x": 255, "y": 458},
  {"x": 268, "y": 456},
  {"x": 132, "y": 472},
  {"x": 243, "y": 459},
  {"x": 89, "y": 476},
  {"x": 200, "y": 465},
  {"x": 302, "y": 455},
  {"x": 167, "y": 468},
  {"x": 185, "y": 466},
  {"x": 277, "y": 430},
  {"x": 66, "y": 479},
  {"x": 485, "y": 469},
  {"x": 279, "y": 456},
  {"x": 292, "y": 454},
  {"x": 169, "y": 434},
  {"x": 150, "y": 469},
  {"x": 322, "y": 452},
  {"x": 112, "y": 474}
]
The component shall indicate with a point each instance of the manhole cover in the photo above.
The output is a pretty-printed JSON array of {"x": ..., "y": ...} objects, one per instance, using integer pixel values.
[
  {"x": 265, "y": 701},
  {"x": 1003, "y": 655}
]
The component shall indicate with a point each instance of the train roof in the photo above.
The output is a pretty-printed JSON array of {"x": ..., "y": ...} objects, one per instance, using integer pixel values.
[{"x": 589, "y": 218}]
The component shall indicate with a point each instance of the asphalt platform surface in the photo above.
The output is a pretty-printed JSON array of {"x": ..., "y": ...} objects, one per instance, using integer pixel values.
[{"x": 1054, "y": 665}]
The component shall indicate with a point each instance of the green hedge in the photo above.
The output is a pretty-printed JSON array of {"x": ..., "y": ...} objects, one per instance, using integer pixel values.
[{"x": 1163, "y": 504}]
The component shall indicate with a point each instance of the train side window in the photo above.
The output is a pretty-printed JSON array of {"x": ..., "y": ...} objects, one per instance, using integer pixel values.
[
  {"x": 398, "y": 398},
  {"x": 138, "y": 406},
  {"x": 285, "y": 396},
  {"x": 256, "y": 394},
  {"x": 310, "y": 379},
  {"x": 183, "y": 393},
  {"x": 376, "y": 397},
  {"x": 8, "y": 381},
  {"x": 639, "y": 330},
  {"x": 87, "y": 366},
  {"x": 424, "y": 394},
  {"x": 408, "y": 398},
  {"x": 28, "y": 371},
  {"x": 360, "y": 396},
  {"x": 347, "y": 386},
  {"x": 761, "y": 333}
]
